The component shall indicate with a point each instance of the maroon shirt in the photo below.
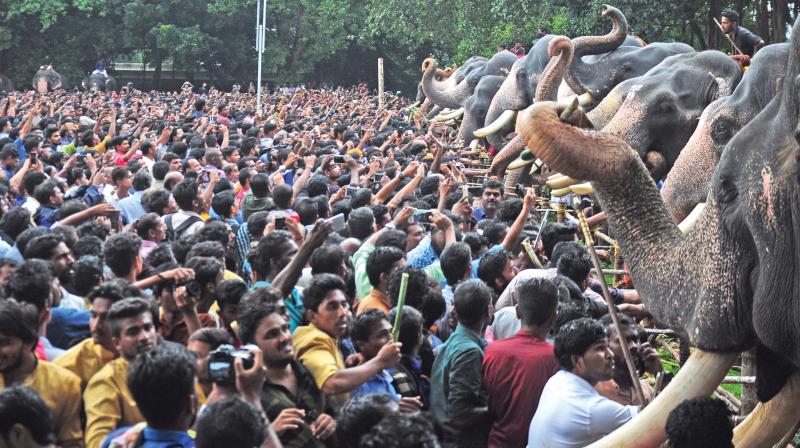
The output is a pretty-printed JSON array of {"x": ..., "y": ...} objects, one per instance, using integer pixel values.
[{"x": 515, "y": 371}]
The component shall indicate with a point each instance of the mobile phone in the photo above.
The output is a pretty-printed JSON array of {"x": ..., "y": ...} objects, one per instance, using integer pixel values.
[
  {"x": 423, "y": 216},
  {"x": 351, "y": 190},
  {"x": 338, "y": 222},
  {"x": 338, "y": 159},
  {"x": 280, "y": 223},
  {"x": 34, "y": 156},
  {"x": 377, "y": 177},
  {"x": 465, "y": 191}
]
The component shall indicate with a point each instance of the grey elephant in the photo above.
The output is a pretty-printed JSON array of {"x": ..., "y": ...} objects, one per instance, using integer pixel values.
[
  {"x": 476, "y": 106},
  {"x": 729, "y": 284},
  {"x": 47, "y": 79},
  {"x": 99, "y": 83},
  {"x": 688, "y": 182},
  {"x": 455, "y": 97}
]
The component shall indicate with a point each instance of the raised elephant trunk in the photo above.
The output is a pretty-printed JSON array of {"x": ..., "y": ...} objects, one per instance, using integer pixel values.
[
  {"x": 506, "y": 155},
  {"x": 453, "y": 97},
  {"x": 586, "y": 45},
  {"x": 560, "y": 51}
]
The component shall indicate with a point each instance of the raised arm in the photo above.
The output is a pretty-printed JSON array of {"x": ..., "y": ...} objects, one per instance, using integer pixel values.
[
  {"x": 516, "y": 228},
  {"x": 287, "y": 278}
]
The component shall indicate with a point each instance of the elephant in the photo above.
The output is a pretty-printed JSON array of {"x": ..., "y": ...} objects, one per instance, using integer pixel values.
[
  {"x": 97, "y": 82},
  {"x": 519, "y": 89},
  {"x": 455, "y": 97},
  {"x": 46, "y": 79},
  {"x": 729, "y": 284},
  {"x": 476, "y": 106},
  {"x": 6, "y": 84},
  {"x": 426, "y": 105},
  {"x": 687, "y": 183}
]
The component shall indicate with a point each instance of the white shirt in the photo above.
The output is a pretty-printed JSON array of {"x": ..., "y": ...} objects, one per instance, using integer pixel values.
[
  {"x": 181, "y": 216},
  {"x": 572, "y": 414},
  {"x": 505, "y": 323}
]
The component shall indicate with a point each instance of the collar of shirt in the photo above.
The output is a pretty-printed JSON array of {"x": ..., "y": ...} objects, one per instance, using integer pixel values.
[
  {"x": 471, "y": 335},
  {"x": 174, "y": 438}
]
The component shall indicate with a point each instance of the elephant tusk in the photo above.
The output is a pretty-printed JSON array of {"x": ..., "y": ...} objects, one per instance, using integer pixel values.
[
  {"x": 701, "y": 374},
  {"x": 686, "y": 225},
  {"x": 519, "y": 163},
  {"x": 496, "y": 125},
  {"x": 561, "y": 182},
  {"x": 770, "y": 421},
  {"x": 449, "y": 115},
  {"x": 473, "y": 145},
  {"x": 555, "y": 176},
  {"x": 582, "y": 189},
  {"x": 585, "y": 99}
]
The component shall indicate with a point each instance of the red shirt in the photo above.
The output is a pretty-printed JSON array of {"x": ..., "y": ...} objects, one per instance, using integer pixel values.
[{"x": 515, "y": 371}]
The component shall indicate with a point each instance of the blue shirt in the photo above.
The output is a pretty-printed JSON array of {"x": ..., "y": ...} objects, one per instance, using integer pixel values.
[
  {"x": 380, "y": 383},
  {"x": 150, "y": 438},
  {"x": 422, "y": 255},
  {"x": 131, "y": 206},
  {"x": 476, "y": 263}
]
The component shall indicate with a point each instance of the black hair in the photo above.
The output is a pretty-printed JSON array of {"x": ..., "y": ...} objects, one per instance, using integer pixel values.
[
  {"x": 495, "y": 232},
  {"x": 255, "y": 306},
  {"x": 119, "y": 173},
  {"x": 29, "y": 234},
  {"x": 268, "y": 248},
  {"x": 418, "y": 431},
  {"x": 493, "y": 184},
  {"x": 146, "y": 223},
  {"x": 394, "y": 238},
  {"x": 14, "y": 322},
  {"x": 491, "y": 266},
  {"x": 20, "y": 405},
  {"x": 361, "y": 223},
  {"x": 731, "y": 15},
  {"x": 160, "y": 381},
  {"x": 31, "y": 283},
  {"x": 42, "y": 247},
  {"x": 114, "y": 291},
  {"x": 364, "y": 324},
  {"x": 212, "y": 249},
  {"x": 327, "y": 258},
  {"x": 127, "y": 308},
  {"x": 475, "y": 241},
  {"x": 206, "y": 269},
  {"x": 93, "y": 228},
  {"x": 214, "y": 337},
  {"x": 455, "y": 260},
  {"x": 31, "y": 180},
  {"x": 575, "y": 337},
  {"x": 216, "y": 231},
  {"x": 684, "y": 431},
  {"x": 259, "y": 185},
  {"x": 89, "y": 269},
  {"x": 160, "y": 170},
  {"x": 185, "y": 193},
  {"x": 510, "y": 209},
  {"x": 416, "y": 290},
  {"x": 471, "y": 301},
  {"x": 538, "y": 298},
  {"x": 360, "y": 415},
  {"x": 307, "y": 210},
  {"x": 573, "y": 261},
  {"x": 120, "y": 252},
  {"x": 320, "y": 286},
  {"x": 230, "y": 422},
  {"x": 72, "y": 207},
  {"x": 555, "y": 233},
  {"x": 410, "y": 328},
  {"x": 316, "y": 186},
  {"x": 361, "y": 198},
  {"x": 15, "y": 221},
  {"x": 45, "y": 190},
  {"x": 182, "y": 246},
  {"x": 282, "y": 196},
  {"x": 160, "y": 254},
  {"x": 380, "y": 261},
  {"x": 231, "y": 291},
  {"x": 222, "y": 203},
  {"x": 142, "y": 181}
]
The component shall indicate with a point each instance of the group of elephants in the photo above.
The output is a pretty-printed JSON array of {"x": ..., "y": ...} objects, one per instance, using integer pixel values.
[
  {"x": 47, "y": 79},
  {"x": 723, "y": 140}
]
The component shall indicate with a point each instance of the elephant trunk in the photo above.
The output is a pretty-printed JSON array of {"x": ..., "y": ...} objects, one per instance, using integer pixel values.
[
  {"x": 586, "y": 45},
  {"x": 510, "y": 96},
  {"x": 468, "y": 125},
  {"x": 560, "y": 51},
  {"x": 506, "y": 155},
  {"x": 452, "y": 98}
]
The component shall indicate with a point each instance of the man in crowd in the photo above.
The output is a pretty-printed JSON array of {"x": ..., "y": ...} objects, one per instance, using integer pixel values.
[{"x": 743, "y": 38}]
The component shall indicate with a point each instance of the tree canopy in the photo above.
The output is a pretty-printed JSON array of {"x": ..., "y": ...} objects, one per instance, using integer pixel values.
[{"x": 333, "y": 40}]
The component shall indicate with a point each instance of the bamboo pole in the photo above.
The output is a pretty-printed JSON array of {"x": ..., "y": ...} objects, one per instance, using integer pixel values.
[{"x": 381, "y": 100}]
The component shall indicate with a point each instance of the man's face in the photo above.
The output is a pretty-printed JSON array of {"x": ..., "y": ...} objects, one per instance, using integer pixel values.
[
  {"x": 193, "y": 165},
  {"x": 175, "y": 165},
  {"x": 288, "y": 251},
  {"x": 491, "y": 198},
  {"x": 274, "y": 339},
  {"x": 200, "y": 350},
  {"x": 160, "y": 232},
  {"x": 57, "y": 198},
  {"x": 5, "y": 273},
  {"x": 234, "y": 157},
  {"x": 332, "y": 315},
  {"x": 415, "y": 234},
  {"x": 12, "y": 162},
  {"x": 137, "y": 335},
  {"x": 12, "y": 352},
  {"x": 55, "y": 138},
  {"x": 727, "y": 26},
  {"x": 62, "y": 261},
  {"x": 509, "y": 271},
  {"x": 124, "y": 146},
  {"x": 229, "y": 312},
  {"x": 333, "y": 171},
  {"x": 126, "y": 182},
  {"x": 596, "y": 363},
  {"x": 380, "y": 335},
  {"x": 98, "y": 324},
  {"x": 631, "y": 338}
]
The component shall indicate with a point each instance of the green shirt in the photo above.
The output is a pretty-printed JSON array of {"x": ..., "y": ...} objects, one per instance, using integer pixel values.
[
  {"x": 363, "y": 286},
  {"x": 457, "y": 384}
]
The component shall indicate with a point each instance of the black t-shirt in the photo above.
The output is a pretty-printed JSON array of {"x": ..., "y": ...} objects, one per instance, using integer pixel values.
[{"x": 745, "y": 40}]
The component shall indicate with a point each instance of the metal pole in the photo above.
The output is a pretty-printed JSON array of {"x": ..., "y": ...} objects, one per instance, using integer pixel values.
[
  {"x": 381, "y": 100},
  {"x": 260, "y": 45}
]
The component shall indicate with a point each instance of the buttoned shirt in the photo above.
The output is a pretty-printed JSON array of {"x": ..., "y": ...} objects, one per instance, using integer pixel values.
[
  {"x": 85, "y": 359},
  {"x": 108, "y": 403}
]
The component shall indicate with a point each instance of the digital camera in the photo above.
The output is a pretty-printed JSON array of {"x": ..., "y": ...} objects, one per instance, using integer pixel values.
[{"x": 220, "y": 363}]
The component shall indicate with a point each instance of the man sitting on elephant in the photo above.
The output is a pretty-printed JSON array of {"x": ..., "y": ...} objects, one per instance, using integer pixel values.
[{"x": 100, "y": 68}]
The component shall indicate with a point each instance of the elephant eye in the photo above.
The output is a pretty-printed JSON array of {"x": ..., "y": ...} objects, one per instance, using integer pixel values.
[{"x": 721, "y": 131}]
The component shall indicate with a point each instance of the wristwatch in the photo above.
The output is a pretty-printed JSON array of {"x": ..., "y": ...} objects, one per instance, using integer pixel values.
[{"x": 390, "y": 225}]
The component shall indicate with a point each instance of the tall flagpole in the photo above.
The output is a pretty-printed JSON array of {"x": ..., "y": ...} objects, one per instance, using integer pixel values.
[{"x": 261, "y": 19}]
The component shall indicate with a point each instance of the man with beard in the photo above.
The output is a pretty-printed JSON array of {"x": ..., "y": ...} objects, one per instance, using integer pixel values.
[
  {"x": 571, "y": 413},
  {"x": 51, "y": 247},
  {"x": 87, "y": 357},
  {"x": 496, "y": 269},
  {"x": 58, "y": 388},
  {"x": 108, "y": 402},
  {"x": 299, "y": 412},
  {"x": 490, "y": 200}
]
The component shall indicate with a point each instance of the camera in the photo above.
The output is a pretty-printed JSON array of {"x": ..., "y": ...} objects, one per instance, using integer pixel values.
[
  {"x": 220, "y": 363},
  {"x": 280, "y": 223},
  {"x": 423, "y": 216},
  {"x": 338, "y": 159},
  {"x": 519, "y": 190},
  {"x": 193, "y": 288}
]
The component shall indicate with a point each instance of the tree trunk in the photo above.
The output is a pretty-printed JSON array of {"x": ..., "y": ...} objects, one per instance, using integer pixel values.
[
  {"x": 714, "y": 34},
  {"x": 698, "y": 32},
  {"x": 778, "y": 21},
  {"x": 157, "y": 75},
  {"x": 763, "y": 20},
  {"x": 749, "y": 399}
]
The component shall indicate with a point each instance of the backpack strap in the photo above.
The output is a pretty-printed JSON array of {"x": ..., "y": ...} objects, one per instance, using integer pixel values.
[{"x": 190, "y": 221}]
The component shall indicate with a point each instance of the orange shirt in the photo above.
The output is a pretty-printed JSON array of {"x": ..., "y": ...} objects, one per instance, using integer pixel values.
[{"x": 374, "y": 300}]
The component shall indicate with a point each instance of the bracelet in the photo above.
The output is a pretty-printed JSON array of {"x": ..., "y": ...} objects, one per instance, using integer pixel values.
[{"x": 161, "y": 277}]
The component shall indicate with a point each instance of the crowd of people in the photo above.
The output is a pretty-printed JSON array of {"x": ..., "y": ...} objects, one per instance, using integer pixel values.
[{"x": 180, "y": 269}]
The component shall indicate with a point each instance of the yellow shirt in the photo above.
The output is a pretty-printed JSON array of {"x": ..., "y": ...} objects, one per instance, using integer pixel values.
[
  {"x": 319, "y": 354},
  {"x": 85, "y": 359},
  {"x": 60, "y": 389},
  {"x": 109, "y": 403}
]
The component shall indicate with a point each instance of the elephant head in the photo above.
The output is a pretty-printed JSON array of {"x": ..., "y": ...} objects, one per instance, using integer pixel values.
[
  {"x": 560, "y": 50},
  {"x": 657, "y": 113},
  {"x": 46, "y": 79},
  {"x": 448, "y": 92},
  {"x": 476, "y": 106},
  {"x": 498, "y": 65},
  {"x": 688, "y": 182},
  {"x": 727, "y": 285}
]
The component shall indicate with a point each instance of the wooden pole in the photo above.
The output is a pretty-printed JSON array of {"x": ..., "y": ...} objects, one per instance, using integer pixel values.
[
  {"x": 381, "y": 100},
  {"x": 612, "y": 310}
]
